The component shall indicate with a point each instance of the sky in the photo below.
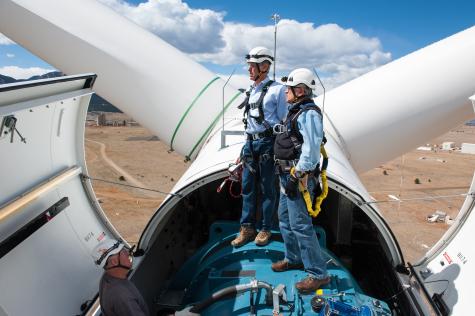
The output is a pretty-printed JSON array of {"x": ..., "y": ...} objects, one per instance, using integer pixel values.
[{"x": 342, "y": 39}]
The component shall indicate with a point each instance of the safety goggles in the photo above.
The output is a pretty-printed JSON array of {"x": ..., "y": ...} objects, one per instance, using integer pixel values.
[
  {"x": 258, "y": 56},
  {"x": 287, "y": 79},
  {"x": 115, "y": 246}
]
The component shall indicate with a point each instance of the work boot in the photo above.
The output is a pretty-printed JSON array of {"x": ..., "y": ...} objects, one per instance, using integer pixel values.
[
  {"x": 246, "y": 234},
  {"x": 263, "y": 238},
  {"x": 284, "y": 265},
  {"x": 311, "y": 284}
]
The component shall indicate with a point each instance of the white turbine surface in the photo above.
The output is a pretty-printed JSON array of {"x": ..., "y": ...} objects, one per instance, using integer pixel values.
[
  {"x": 405, "y": 103},
  {"x": 374, "y": 118},
  {"x": 142, "y": 75}
]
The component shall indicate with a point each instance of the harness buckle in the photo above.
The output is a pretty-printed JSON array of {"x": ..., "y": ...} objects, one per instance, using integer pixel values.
[
  {"x": 286, "y": 163},
  {"x": 264, "y": 134},
  {"x": 253, "y": 106},
  {"x": 279, "y": 129},
  {"x": 264, "y": 157}
]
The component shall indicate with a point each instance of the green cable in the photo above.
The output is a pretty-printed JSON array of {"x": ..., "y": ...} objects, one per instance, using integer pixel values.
[
  {"x": 210, "y": 127},
  {"x": 188, "y": 110}
]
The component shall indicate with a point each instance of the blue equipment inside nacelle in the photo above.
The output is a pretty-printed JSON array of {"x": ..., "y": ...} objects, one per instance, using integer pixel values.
[{"x": 222, "y": 280}]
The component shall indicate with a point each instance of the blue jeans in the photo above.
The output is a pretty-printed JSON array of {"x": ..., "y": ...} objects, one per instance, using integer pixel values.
[
  {"x": 258, "y": 176},
  {"x": 300, "y": 239}
]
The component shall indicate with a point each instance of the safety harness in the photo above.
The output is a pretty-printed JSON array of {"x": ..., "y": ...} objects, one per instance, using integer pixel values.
[
  {"x": 288, "y": 147},
  {"x": 259, "y": 105}
]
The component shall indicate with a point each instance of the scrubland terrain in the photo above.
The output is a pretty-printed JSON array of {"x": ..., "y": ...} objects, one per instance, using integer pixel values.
[{"x": 132, "y": 156}]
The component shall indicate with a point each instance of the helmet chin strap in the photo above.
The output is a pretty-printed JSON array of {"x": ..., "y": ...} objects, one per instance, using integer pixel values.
[
  {"x": 296, "y": 98},
  {"x": 259, "y": 73}
]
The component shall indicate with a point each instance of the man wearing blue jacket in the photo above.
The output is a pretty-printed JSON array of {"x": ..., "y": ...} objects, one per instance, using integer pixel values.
[
  {"x": 297, "y": 154},
  {"x": 264, "y": 107}
]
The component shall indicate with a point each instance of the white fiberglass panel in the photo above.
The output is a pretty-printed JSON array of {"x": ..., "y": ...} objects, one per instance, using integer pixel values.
[
  {"x": 168, "y": 93},
  {"x": 49, "y": 218},
  {"x": 35, "y": 125},
  {"x": 394, "y": 109},
  {"x": 405, "y": 103},
  {"x": 47, "y": 275},
  {"x": 450, "y": 269}
]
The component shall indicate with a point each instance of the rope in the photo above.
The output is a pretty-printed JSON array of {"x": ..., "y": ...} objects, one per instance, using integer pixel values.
[
  {"x": 316, "y": 208},
  {"x": 423, "y": 199},
  {"x": 188, "y": 110},
  {"x": 323, "y": 176},
  {"x": 83, "y": 176}
]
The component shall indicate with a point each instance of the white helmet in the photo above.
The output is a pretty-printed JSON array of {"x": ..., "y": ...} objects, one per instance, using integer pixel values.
[
  {"x": 259, "y": 54},
  {"x": 105, "y": 249},
  {"x": 300, "y": 76}
]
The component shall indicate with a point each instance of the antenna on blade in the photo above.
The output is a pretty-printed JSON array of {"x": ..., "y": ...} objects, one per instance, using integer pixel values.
[
  {"x": 223, "y": 132},
  {"x": 224, "y": 86},
  {"x": 276, "y": 19},
  {"x": 321, "y": 83}
]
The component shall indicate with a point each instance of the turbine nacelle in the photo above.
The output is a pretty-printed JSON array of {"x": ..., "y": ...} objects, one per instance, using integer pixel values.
[{"x": 368, "y": 121}]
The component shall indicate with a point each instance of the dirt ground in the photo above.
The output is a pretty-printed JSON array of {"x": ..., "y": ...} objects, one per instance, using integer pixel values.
[
  {"x": 438, "y": 174},
  {"x": 132, "y": 156},
  {"x": 145, "y": 159}
]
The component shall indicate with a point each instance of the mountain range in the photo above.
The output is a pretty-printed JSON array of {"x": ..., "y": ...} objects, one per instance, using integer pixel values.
[{"x": 97, "y": 103}]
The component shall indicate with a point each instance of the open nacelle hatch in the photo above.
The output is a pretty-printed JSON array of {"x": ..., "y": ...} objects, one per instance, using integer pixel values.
[{"x": 182, "y": 226}]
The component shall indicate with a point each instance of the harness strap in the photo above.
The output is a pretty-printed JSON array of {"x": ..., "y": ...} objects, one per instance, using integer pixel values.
[
  {"x": 293, "y": 122},
  {"x": 259, "y": 119},
  {"x": 294, "y": 133},
  {"x": 323, "y": 175},
  {"x": 242, "y": 105},
  {"x": 246, "y": 100}
]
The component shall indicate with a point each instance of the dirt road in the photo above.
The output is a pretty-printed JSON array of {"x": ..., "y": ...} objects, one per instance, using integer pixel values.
[
  {"x": 130, "y": 209},
  {"x": 128, "y": 177},
  {"x": 132, "y": 152}
]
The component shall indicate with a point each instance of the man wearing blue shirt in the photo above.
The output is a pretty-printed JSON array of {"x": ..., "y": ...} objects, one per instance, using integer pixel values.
[
  {"x": 297, "y": 154},
  {"x": 265, "y": 106}
]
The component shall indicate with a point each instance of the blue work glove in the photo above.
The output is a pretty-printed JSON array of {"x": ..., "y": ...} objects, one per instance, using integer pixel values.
[{"x": 292, "y": 187}]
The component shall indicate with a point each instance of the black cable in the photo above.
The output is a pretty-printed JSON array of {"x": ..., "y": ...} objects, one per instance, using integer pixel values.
[
  {"x": 225, "y": 293},
  {"x": 131, "y": 186},
  {"x": 398, "y": 293},
  {"x": 232, "y": 291},
  {"x": 405, "y": 289}
]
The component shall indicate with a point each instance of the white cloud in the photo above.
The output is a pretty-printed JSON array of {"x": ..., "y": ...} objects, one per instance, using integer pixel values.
[
  {"x": 10, "y": 55},
  {"x": 190, "y": 30},
  {"x": 340, "y": 54},
  {"x": 23, "y": 73},
  {"x": 5, "y": 40}
]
